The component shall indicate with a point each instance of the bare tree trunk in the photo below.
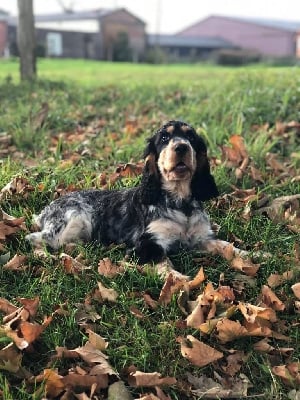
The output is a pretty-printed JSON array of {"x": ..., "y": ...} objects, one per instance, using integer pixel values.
[{"x": 26, "y": 40}]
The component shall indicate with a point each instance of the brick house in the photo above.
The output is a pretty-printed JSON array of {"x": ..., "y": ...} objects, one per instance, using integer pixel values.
[
  {"x": 271, "y": 38},
  {"x": 96, "y": 34}
]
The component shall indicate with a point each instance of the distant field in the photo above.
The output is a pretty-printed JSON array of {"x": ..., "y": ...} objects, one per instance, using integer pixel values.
[
  {"x": 99, "y": 73},
  {"x": 78, "y": 127}
]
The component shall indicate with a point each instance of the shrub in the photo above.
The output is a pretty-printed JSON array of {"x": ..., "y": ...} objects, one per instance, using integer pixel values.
[{"x": 236, "y": 57}]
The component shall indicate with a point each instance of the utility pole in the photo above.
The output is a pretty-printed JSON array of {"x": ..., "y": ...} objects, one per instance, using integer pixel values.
[{"x": 26, "y": 40}]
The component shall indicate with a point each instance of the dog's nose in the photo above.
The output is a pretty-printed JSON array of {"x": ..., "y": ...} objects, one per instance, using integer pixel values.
[{"x": 181, "y": 149}]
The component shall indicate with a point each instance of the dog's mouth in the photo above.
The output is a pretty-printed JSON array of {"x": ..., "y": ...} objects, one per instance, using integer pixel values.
[{"x": 180, "y": 168}]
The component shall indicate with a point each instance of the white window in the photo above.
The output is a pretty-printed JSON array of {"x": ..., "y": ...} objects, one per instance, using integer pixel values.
[{"x": 54, "y": 44}]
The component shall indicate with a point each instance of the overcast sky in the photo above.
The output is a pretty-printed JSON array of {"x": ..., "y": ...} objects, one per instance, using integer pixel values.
[{"x": 169, "y": 16}]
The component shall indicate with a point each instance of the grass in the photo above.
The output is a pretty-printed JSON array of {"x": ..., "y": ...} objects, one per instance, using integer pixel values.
[{"x": 99, "y": 101}]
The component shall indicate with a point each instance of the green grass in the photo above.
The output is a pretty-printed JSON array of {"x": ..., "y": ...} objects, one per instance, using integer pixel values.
[{"x": 218, "y": 102}]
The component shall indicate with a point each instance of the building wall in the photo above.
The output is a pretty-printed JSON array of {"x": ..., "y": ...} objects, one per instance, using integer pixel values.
[
  {"x": 74, "y": 44},
  {"x": 3, "y": 37},
  {"x": 123, "y": 22},
  {"x": 268, "y": 41}
]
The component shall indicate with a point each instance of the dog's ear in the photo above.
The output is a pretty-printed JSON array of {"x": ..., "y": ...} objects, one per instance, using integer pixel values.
[
  {"x": 150, "y": 184},
  {"x": 203, "y": 184}
]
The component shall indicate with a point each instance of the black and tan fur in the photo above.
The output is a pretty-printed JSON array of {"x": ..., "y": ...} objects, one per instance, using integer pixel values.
[{"x": 156, "y": 218}]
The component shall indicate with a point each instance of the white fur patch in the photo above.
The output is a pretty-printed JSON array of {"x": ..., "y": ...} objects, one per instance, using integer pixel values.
[{"x": 190, "y": 231}]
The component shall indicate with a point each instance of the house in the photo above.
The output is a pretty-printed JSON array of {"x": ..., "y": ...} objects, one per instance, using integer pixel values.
[
  {"x": 271, "y": 38},
  {"x": 187, "y": 48},
  {"x": 3, "y": 32},
  {"x": 100, "y": 34}
]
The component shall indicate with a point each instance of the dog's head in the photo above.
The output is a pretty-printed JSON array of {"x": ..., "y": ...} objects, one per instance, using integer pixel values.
[{"x": 176, "y": 160}]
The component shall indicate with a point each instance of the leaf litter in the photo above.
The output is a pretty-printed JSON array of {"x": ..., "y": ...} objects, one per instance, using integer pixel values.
[{"x": 218, "y": 314}]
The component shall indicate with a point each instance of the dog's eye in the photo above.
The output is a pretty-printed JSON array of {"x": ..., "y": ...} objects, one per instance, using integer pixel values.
[
  {"x": 164, "y": 139},
  {"x": 192, "y": 138}
]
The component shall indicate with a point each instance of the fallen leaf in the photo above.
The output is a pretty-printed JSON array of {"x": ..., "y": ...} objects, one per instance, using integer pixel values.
[
  {"x": 85, "y": 381},
  {"x": 296, "y": 290},
  {"x": 148, "y": 379},
  {"x": 10, "y": 358},
  {"x": 171, "y": 286},
  {"x": 16, "y": 263},
  {"x": 136, "y": 312},
  {"x": 71, "y": 265},
  {"x": 244, "y": 265},
  {"x": 6, "y": 307},
  {"x": 149, "y": 301},
  {"x": 31, "y": 305},
  {"x": 96, "y": 340},
  {"x": 263, "y": 346},
  {"x": 37, "y": 120},
  {"x": 289, "y": 374},
  {"x": 53, "y": 382},
  {"x": 108, "y": 269},
  {"x": 229, "y": 330},
  {"x": 275, "y": 280},
  {"x": 230, "y": 388},
  {"x": 251, "y": 312},
  {"x": 197, "y": 280},
  {"x": 234, "y": 362},
  {"x": 198, "y": 353},
  {"x": 103, "y": 293},
  {"x": 18, "y": 186},
  {"x": 270, "y": 299}
]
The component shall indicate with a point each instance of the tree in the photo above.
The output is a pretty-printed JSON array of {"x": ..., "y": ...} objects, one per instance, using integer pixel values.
[{"x": 26, "y": 40}]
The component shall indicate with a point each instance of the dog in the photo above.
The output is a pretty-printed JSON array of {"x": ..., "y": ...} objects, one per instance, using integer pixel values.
[{"x": 155, "y": 219}]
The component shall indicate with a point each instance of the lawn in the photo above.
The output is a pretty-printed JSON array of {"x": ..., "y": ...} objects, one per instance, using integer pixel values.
[{"x": 84, "y": 124}]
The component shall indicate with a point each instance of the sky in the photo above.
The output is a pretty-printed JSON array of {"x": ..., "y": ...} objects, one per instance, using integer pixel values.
[{"x": 170, "y": 16}]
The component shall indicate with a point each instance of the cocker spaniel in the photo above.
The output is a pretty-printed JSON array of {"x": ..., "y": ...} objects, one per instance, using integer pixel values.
[{"x": 156, "y": 218}]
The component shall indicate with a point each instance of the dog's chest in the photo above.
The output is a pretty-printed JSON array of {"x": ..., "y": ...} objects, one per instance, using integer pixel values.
[{"x": 175, "y": 226}]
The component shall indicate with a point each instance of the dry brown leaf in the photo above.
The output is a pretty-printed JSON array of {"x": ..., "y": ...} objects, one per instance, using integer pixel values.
[
  {"x": 197, "y": 280},
  {"x": 108, "y": 269},
  {"x": 198, "y": 353},
  {"x": 197, "y": 317},
  {"x": 296, "y": 289},
  {"x": 32, "y": 331},
  {"x": 71, "y": 265},
  {"x": 229, "y": 388},
  {"x": 244, "y": 265},
  {"x": 6, "y": 307},
  {"x": 284, "y": 209},
  {"x": 18, "y": 186},
  {"x": 63, "y": 352},
  {"x": 149, "y": 301},
  {"x": 289, "y": 374},
  {"x": 10, "y": 358},
  {"x": 256, "y": 174},
  {"x": 136, "y": 312},
  {"x": 53, "y": 382},
  {"x": 37, "y": 120},
  {"x": 85, "y": 381},
  {"x": 251, "y": 312},
  {"x": 230, "y": 330},
  {"x": 270, "y": 299},
  {"x": 139, "y": 378},
  {"x": 171, "y": 286},
  {"x": 103, "y": 293},
  {"x": 234, "y": 362},
  {"x": 263, "y": 346},
  {"x": 31, "y": 305},
  {"x": 275, "y": 280},
  {"x": 16, "y": 263},
  {"x": 96, "y": 340}
]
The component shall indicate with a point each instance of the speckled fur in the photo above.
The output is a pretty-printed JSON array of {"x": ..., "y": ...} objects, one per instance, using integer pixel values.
[{"x": 154, "y": 219}]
